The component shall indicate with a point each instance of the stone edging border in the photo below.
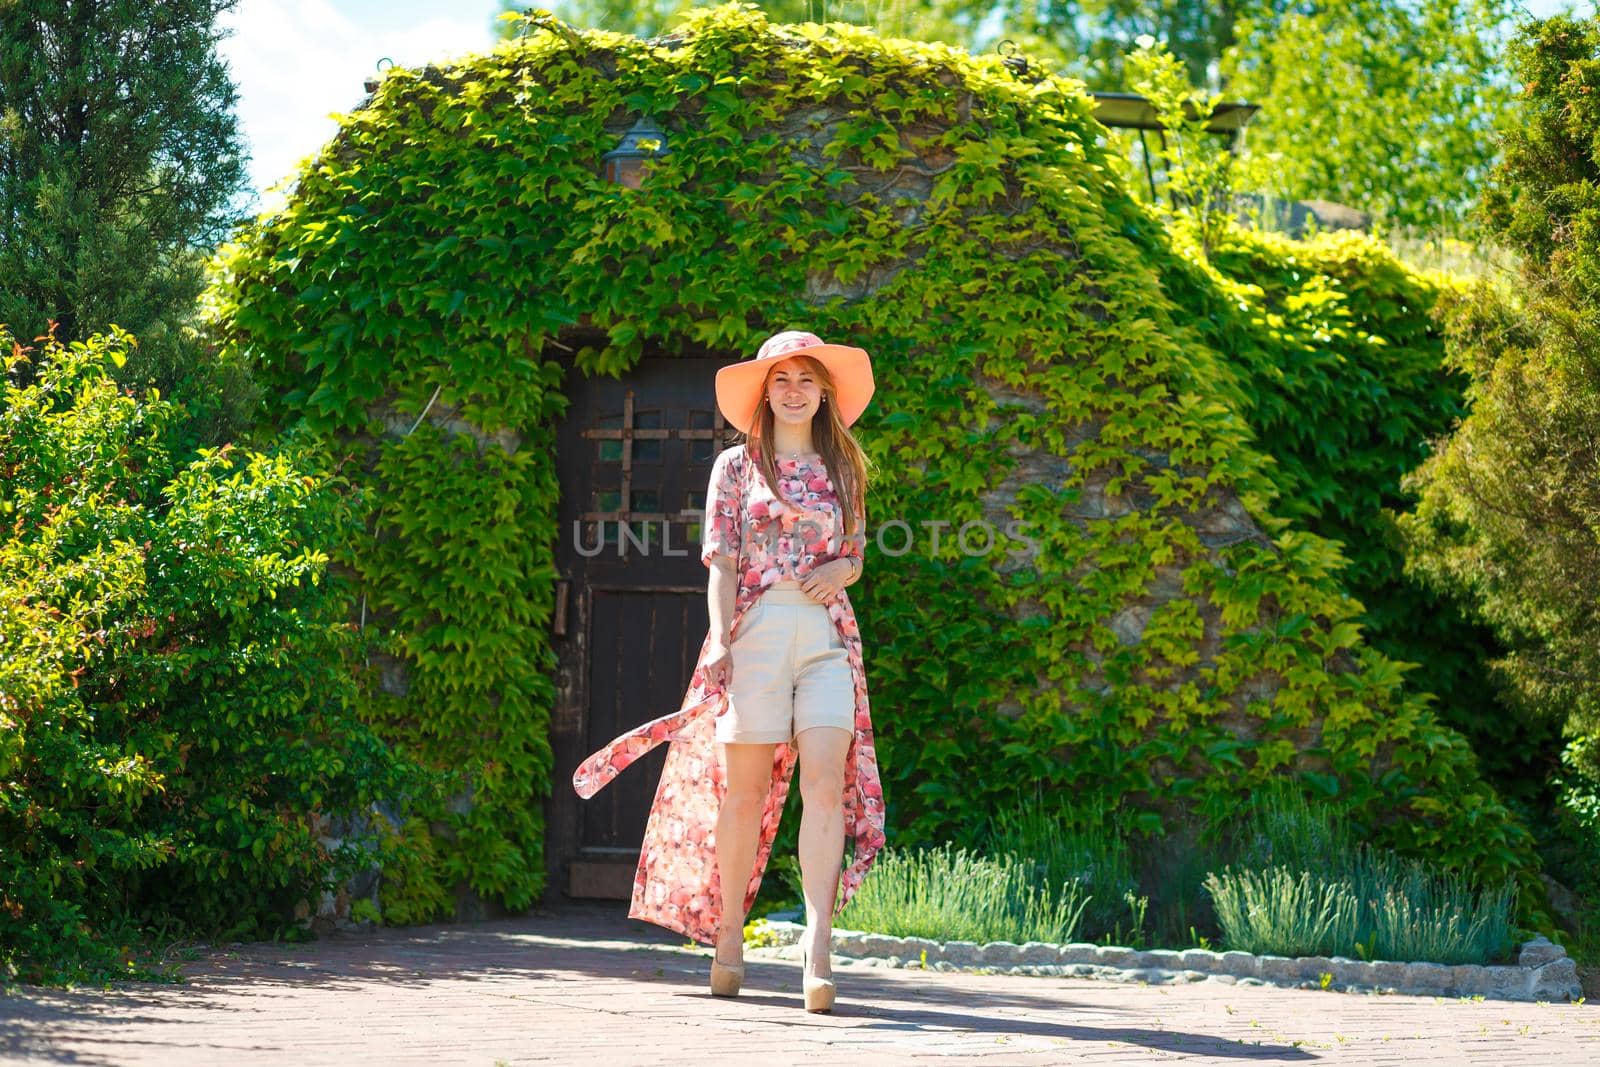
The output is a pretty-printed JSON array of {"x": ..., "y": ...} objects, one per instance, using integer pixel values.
[{"x": 1542, "y": 972}]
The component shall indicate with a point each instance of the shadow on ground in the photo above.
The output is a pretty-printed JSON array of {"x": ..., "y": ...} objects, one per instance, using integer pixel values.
[{"x": 543, "y": 960}]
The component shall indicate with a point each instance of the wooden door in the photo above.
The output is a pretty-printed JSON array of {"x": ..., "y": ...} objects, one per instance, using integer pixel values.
[{"x": 634, "y": 457}]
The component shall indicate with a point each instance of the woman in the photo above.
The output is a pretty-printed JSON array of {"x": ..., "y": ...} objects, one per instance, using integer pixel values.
[{"x": 780, "y": 675}]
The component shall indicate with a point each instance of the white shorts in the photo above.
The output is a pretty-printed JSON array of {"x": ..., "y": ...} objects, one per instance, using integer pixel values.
[{"x": 790, "y": 672}]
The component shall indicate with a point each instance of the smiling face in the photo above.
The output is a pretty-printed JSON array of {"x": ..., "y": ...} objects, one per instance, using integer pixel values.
[{"x": 794, "y": 392}]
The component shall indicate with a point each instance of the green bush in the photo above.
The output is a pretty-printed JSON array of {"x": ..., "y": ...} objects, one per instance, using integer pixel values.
[
  {"x": 1578, "y": 816},
  {"x": 953, "y": 895},
  {"x": 176, "y": 678},
  {"x": 1338, "y": 363}
]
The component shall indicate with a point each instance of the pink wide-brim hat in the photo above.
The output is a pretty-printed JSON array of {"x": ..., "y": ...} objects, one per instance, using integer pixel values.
[{"x": 739, "y": 385}]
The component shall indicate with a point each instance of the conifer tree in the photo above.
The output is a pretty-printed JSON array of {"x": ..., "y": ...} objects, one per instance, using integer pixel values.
[{"x": 120, "y": 165}]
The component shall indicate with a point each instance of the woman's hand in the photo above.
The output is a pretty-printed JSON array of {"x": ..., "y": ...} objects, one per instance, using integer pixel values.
[
  {"x": 719, "y": 665},
  {"x": 825, "y": 582}
]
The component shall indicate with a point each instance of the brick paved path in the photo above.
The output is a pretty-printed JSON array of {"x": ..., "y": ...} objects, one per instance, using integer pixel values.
[{"x": 586, "y": 986}]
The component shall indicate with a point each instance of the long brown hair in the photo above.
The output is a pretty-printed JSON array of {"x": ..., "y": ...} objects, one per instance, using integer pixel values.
[{"x": 840, "y": 452}]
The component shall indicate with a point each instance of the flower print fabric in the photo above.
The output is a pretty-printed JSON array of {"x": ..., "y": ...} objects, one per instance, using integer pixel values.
[
  {"x": 771, "y": 538},
  {"x": 778, "y": 538}
]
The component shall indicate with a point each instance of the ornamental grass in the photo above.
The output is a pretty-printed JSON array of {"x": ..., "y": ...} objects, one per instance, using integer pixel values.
[
  {"x": 1282, "y": 912},
  {"x": 1304, "y": 885},
  {"x": 949, "y": 894},
  {"x": 1077, "y": 845}
]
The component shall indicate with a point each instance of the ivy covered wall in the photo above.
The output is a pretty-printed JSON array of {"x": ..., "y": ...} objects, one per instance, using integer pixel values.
[
  {"x": 1170, "y": 638},
  {"x": 1342, "y": 375}
]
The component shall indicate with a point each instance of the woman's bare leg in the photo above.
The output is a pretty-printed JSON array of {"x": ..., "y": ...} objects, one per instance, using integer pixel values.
[
  {"x": 822, "y": 754},
  {"x": 748, "y": 772}
]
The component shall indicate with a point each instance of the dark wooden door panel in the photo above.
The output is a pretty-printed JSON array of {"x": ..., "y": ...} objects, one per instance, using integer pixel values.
[
  {"x": 643, "y": 646},
  {"x": 636, "y": 453}
]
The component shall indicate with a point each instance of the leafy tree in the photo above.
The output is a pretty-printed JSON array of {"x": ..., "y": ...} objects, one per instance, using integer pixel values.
[
  {"x": 1509, "y": 516},
  {"x": 120, "y": 158},
  {"x": 1092, "y": 39},
  {"x": 1391, "y": 107},
  {"x": 924, "y": 20},
  {"x": 1198, "y": 171}
]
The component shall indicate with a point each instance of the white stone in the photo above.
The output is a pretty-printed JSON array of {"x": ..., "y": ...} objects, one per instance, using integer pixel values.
[
  {"x": 878, "y": 945},
  {"x": 1038, "y": 952},
  {"x": 1152, "y": 975},
  {"x": 1351, "y": 972},
  {"x": 1201, "y": 959},
  {"x": 848, "y": 944},
  {"x": 1426, "y": 977},
  {"x": 1240, "y": 964},
  {"x": 1538, "y": 952},
  {"x": 998, "y": 954},
  {"x": 1507, "y": 982},
  {"x": 961, "y": 952},
  {"x": 1467, "y": 979},
  {"x": 1312, "y": 968},
  {"x": 1077, "y": 952},
  {"x": 1279, "y": 969},
  {"x": 1388, "y": 973},
  {"x": 1556, "y": 980}
]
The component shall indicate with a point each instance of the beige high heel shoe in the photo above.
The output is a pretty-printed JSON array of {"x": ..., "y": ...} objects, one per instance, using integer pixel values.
[
  {"x": 725, "y": 978},
  {"x": 819, "y": 991}
]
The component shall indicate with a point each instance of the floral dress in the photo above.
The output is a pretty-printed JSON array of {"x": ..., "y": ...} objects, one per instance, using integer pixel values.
[{"x": 772, "y": 538}]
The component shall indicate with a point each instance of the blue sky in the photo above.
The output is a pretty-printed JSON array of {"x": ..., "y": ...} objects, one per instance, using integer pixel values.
[{"x": 297, "y": 61}]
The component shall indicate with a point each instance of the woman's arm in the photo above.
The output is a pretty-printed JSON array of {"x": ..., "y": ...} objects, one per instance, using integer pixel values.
[
  {"x": 721, "y": 533},
  {"x": 721, "y": 587},
  {"x": 854, "y": 549}
]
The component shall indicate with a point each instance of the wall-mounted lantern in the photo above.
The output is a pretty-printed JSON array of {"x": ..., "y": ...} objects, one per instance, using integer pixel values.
[
  {"x": 374, "y": 80},
  {"x": 624, "y": 164},
  {"x": 1012, "y": 57}
]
